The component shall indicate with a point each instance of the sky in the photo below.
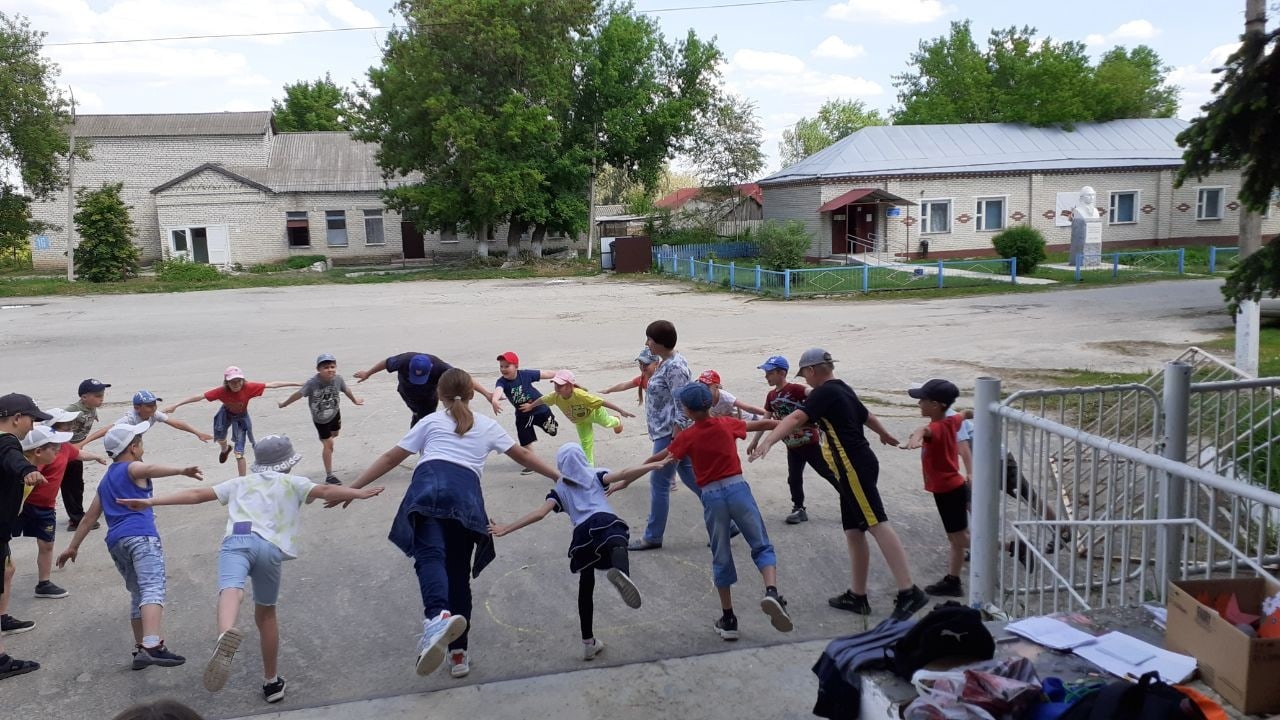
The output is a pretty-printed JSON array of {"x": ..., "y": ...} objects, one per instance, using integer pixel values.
[{"x": 787, "y": 56}]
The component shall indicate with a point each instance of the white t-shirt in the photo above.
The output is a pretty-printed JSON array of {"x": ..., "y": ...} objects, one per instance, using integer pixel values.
[
  {"x": 725, "y": 407},
  {"x": 271, "y": 501},
  {"x": 131, "y": 418},
  {"x": 434, "y": 438}
]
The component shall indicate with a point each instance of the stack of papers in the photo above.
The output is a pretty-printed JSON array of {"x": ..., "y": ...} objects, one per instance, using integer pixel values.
[
  {"x": 1050, "y": 633},
  {"x": 1126, "y": 656}
]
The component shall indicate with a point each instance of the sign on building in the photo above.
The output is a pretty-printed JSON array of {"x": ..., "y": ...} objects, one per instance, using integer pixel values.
[{"x": 40, "y": 242}]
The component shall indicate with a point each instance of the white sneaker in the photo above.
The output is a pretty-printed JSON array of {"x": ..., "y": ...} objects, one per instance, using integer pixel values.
[
  {"x": 626, "y": 588},
  {"x": 590, "y": 651},
  {"x": 219, "y": 667},
  {"x": 459, "y": 663},
  {"x": 437, "y": 633}
]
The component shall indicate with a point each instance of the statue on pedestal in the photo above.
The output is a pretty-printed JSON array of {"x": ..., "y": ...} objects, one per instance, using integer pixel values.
[{"x": 1086, "y": 230}]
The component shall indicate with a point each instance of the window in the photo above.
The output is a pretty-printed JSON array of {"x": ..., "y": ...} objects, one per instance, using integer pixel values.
[
  {"x": 179, "y": 241},
  {"x": 1209, "y": 204},
  {"x": 935, "y": 216},
  {"x": 335, "y": 228},
  {"x": 990, "y": 214},
  {"x": 373, "y": 234},
  {"x": 295, "y": 228},
  {"x": 1123, "y": 208}
]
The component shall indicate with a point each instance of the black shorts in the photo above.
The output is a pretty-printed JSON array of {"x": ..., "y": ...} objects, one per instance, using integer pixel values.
[
  {"x": 952, "y": 508},
  {"x": 855, "y": 480},
  {"x": 37, "y": 522},
  {"x": 329, "y": 429},
  {"x": 4, "y": 562},
  {"x": 526, "y": 422}
]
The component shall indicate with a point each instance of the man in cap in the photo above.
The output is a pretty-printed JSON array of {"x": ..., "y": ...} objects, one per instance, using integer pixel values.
[
  {"x": 18, "y": 416},
  {"x": 418, "y": 375}
]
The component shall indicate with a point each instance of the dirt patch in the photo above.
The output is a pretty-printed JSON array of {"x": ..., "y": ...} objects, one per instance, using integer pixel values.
[{"x": 1139, "y": 348}]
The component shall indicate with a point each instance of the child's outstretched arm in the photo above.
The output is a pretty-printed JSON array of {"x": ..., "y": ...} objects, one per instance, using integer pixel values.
[
  {"x": 615, "y": 408},
  {"x": 529, "y": 406},
  {"x": 338, "y": 493},
  {"x": 180, "y": 425},
  {"x": 102, "y": 430},
  {"x": 494, "y": 397},
  {"x": 783, "y": 428},
  {"x": 620, "y": 387},
  {"x": 761, "y": 425},
  {"x": 86, "y": 524},
  {"x": 174, "y": 407},
  {"x": 146, "y": 471},
  {"x": 354, "y": 400},
  {"x": 886, "y": 438},
  {"x": 918, "y": 438},
  {"x": 193, "y": 496},
  {"x": 296, "y": 396},
  {"x": 498, "y": 529},
  {"x": 748, "y": 407},
  {"x": 93, "y": 457},
  {"x": 622, "y": 478},
  {"x": 281, "y": 384},
  {"x": 383, "y": 465},
  {"x": 528, "y": 458}
]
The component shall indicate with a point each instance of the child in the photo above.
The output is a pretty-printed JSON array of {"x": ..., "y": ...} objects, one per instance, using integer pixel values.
[
  {"x": 517, "y": 385},
  {"x": 599, "y": 536},
  {"x": 582, "y": 408},
  {"x": 132, "y": 539},
  {"x": 321, "y": 391},
  {"x": 144, "y": 412},
  {"x": 50, "y": 449},
  {"x": 723, "y": 404},
  {"x": 18, "y": 415},
  {"x": 92, "y": 395},
  {"x": 262, "y": 511},
  {"x": 234, "y": 393},
  {"x": 939, "y": 459},
  {"x": 648, "y": 363},
  {"x": 710, "y": 444}
]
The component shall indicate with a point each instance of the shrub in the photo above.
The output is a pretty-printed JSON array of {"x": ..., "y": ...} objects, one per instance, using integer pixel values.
[
  {"x": 783, "y": 245},
  {"x": 106, "y": 252},
  {"x": 301, "y": 262},
  {"x": 1024, "y": 243},
  {"x": 181, "y": 269}
]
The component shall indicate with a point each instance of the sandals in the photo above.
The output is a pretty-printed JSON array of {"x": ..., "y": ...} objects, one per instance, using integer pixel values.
[{"x": 13, "y": 666}]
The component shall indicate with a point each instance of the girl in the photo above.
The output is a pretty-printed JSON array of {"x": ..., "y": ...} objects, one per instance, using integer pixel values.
[
  {"x": 648, "y": 363},
  {"x": 599, "y": 536},
  {"x": 442, "y": 519},
  {"x": 582, "y": 408},
  {"x": 724, "y": 404},
  {"x": 235, "y": 394}
]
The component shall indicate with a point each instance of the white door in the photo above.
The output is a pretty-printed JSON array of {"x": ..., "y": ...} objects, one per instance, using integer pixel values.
[{"x": 219, "y": 244}]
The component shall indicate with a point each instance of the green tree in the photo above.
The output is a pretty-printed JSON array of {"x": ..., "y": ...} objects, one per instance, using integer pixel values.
[
  {"x": 309, "y": 106},
  {"x": 951, "y": 82},
  {"x": 726, "y": 147},
  {"x": 106, "y": 252},
  {"x": 1131, "y": 84},
  {"x": 835, "y": 120}
]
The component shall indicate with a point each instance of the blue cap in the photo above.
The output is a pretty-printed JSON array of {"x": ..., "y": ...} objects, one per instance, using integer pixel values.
[
  {"x": 92, "y": 386},
  {"x": 777, "y": 362},
  {"x": 325, "y": 358},
  {"x": 145, "y": 397},
  {"x": 419, "y": 369},
  {"x": 696, "y": 396}
]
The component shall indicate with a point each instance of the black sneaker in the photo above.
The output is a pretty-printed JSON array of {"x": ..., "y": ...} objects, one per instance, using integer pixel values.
[
  {"x": 10, "y": 625},
  {"x": 908, "y": 603},
  {"x": 274, "y": 691},
  {"x": 798, "y": 515},
  {"x": 144, "y": 657},
  {"x": 332, "y": 480},
  {"x": 847, "y": 600},
  {"x": 73, "y": 525},
  {"x": 948, "y": 586},
  {"x": 11, "y": 666},
  {"x": 775, "y": 607},
  {"x": 46, "y": 589},
  {"x": 727, "y": 627}
]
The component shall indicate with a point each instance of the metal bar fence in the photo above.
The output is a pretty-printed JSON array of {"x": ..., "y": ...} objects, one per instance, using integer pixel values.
[
  {"x": 1223, "y": 258},
  {"x": 701, "y": 251},
  {"x": 1131, "y": 265},
  {"x": 837, "y": 279}
]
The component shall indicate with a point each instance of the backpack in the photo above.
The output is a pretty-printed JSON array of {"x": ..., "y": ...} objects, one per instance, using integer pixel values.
[
  {"x": 949, "y": 630},
  {"x": 838, "y": 668},
  {"x": 1148, "y": 699}
]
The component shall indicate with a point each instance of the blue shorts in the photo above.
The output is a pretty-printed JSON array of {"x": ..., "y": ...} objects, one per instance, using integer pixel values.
[
  {"x": 241, "y": 428},
  {"x": 37, "y": 522},
  {"x": 140, "y": 560},
  {"x": 249, "y": 556}
]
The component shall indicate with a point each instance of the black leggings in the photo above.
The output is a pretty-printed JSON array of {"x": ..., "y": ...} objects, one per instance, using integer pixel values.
[
  {"x": 587, "y": 588},
  {"x": 73, "y": 490},
  {"x": 797, "y": 458}
]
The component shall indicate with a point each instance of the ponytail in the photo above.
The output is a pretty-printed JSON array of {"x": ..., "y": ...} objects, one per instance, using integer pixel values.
[{"x": 456, "y": 389}]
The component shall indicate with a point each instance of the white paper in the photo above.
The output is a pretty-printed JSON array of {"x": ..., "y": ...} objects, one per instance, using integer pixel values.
[
  {"x": 1159, "y": 614},
  {"x": 1050, "y": 633},
  {"x": 1110, "y": 650}
]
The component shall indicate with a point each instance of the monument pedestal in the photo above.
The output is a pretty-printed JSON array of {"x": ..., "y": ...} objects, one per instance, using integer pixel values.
[{"x": 1092, "y": 242}]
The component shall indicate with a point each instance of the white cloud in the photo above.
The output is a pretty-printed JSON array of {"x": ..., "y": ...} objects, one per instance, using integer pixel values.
[
  {"x": 87, "y": 102},
  {"x": 1197, "y": 80},
  {"x": 242, "y": 105},
  {"x": 834, "y": 47},
  {"x": 909, "y": 12},
  {"x": 148, "y": 62},
  {"x": 350, "y": 15},
  {"x": 753, "y": 61},
  {"x": 756, "y": 73},
  {"x": 1132, "y": 30}
]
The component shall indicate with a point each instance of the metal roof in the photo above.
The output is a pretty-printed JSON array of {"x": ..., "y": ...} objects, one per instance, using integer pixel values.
[
  {"x": 174, "y": 124},
  {"x": 874, "y": 195},
  {"x": 991, "y": 147},
  {"x": 319, "y": 162}
]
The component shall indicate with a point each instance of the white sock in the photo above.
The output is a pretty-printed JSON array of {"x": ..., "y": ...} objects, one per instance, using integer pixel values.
[
  {"x": 150, "y": 641},
  {"x": 268, "y": 681}
]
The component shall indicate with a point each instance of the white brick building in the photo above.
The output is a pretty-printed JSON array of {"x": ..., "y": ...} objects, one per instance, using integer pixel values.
[{"x": 953, "y": 187}]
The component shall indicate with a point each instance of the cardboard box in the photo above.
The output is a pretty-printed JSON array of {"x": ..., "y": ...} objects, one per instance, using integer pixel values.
[{"x": 1241, "y": 668}]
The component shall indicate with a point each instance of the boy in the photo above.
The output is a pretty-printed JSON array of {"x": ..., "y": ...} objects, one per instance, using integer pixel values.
[
  {"x": 144, "y": 412},
  {"x": 723, "y": 403},
  {"x": 517, "y": 385},
  {"x": 940, "y": 461},
  {"x": 321, "y": 392},
  {"x": 51, "y": 450},
  {"x": 710, "y": 444},
  {"x": 582, "y": 408},
  {"x": 648, "y": 364},
  {"x": 262, "y": 511},
  {"x": 92, "y": 395},
  {"x": 18, "y": 415},
  {"x": 132, "y": 539}
]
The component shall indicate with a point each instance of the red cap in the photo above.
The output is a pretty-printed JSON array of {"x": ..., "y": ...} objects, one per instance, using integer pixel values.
[
  {"x": 510, "y": 357},
  {"x": 709, "y": 377}
]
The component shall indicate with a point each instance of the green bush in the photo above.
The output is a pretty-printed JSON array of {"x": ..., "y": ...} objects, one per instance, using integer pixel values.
[
  {"x": 106, "y": 252},
  {"x": 685, "y": 236},
  {"x": 300, "y": 262},
  {"x": 1024, "y": 243},
  {"x": 181, "y": 269},
  {"x": 783, "y": 246}
]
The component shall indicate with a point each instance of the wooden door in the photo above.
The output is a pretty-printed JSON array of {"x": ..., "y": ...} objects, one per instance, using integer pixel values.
[
  {"x": 840, "y": 231},
  {"x": 863, "y": 221},
  {"x": 411, "y": 240}
]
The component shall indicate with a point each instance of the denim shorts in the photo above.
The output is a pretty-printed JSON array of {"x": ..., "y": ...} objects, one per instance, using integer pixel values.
[
  {"x": 140, "y": 560},
  {"x": 249, "y": 556}
]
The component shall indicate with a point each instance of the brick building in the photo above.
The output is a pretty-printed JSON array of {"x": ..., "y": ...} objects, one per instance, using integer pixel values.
[{"x": 953, "y": 187}]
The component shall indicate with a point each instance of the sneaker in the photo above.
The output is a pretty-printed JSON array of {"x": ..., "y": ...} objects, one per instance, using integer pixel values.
[
  {"x": 908, "y": 603},
  {"x": 224, "y": 453},
  {"x": 46, "y": 589},
  {"x": 332, "y": 480},
  {"x": 526, "y": 471},
  {"x": 73, "y": 525},
  {"x": 641, "y": 544},
  {"x": 775, "y": 607},
  {"x": 617, "y": 429},
  {"x": 948, "y": 586},
  {"x": 626, "y": 588},
  {"x": 727, "y": 627},
  {"x": 851, "y": 602},
  {"x": 10, "y": 625},
  {"x": 12, "y": 667},
  {"x": 459, "y": 663},
  {"x": 437, "y": 633},
  {"x": 145, "y": 657},
  {"x": 274, "y": 690},
  {"x": 592, "y": 649},
  {"x": 219, "y": 667},
  {"x": 798, "y": 515}
]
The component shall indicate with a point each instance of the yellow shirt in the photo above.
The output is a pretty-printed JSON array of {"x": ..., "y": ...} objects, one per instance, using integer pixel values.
[{"x": 577, "y": 407}]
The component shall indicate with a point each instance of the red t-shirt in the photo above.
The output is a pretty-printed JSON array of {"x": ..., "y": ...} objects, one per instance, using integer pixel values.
[
  {"x": 711, "y": 445},
  {"x": 641, "y": 382},
  {"x": 45, "y": 495},
  {"x": 940, "y": 457},
  {"x": 236, "y": 402}
]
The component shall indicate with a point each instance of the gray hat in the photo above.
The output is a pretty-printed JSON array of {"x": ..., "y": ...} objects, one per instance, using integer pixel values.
[
  {"x": 646, "y": 357},
  {"x": 325, "y": 358},
  {"x": 275, "y": 453},
  {"x": 813, "y": 356}
]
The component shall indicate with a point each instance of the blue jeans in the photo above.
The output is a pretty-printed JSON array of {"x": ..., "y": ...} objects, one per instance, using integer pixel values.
[
  {"x": 241, "y": 428},
  {"x": 723, "y": 503},
  {"x": 140, "y": 560},
  {"x": 660, "y": 491},
  {"x": 249, "y": 556},
  {"x": 442, "y": 559}
]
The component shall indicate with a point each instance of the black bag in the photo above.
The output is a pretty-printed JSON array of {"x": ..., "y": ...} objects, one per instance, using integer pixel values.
[
  {"x": 838, "y": 668},
  {"x": 949, "y": 630},
  {"x": 1148, "y": 699}
]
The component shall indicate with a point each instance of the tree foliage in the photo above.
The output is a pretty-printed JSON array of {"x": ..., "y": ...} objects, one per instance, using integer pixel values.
[
  {"x": 835, "y": 120},
  {"x": 725, "y": 148},
  {"x": 313, "y": 105},
  {"x": 106, "y": 252},
  {"x": 783, "y": 246},
  {"x": 1022, "y": 78}
]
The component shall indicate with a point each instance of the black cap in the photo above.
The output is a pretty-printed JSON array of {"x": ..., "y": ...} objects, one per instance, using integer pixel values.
[
  {"x": 92, "y": 386},
  {"x": 943, "y": 391},
  {"x": 18, "y": 404}
]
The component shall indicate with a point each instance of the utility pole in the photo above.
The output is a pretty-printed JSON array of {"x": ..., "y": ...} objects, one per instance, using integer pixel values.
[
  {"x": 591, "y": 193},
  {"x": 71, "y": 193},
  {"x": 1248, "y": 317}
]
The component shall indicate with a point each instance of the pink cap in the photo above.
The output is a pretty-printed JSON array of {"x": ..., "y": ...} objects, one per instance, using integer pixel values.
[
  {"x": 563, "y": 377},
  {"x": 233, "y": 373}
]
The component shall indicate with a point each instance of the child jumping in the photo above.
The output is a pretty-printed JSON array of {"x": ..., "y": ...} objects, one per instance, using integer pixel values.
[
  {"x": 648, "y": 363},
  {"x": 599, "y": 536},
  {"x": 263, "y": 515},
  {"x": 723, "y": 403},
  {"x": 18, "y": 416},
  {"x": 321, "y": 391},
  {"x": 234, "y": 393},
  {"x": 517, "y": 385},
  {"x": 582, "y": 408},
  {"x": 939, "y": 459}
]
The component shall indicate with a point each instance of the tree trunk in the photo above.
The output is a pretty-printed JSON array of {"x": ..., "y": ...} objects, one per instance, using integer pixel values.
[
  {"x": 539, "y": 232},
  {"x": 482, "y": 239},
  {"x": 514, "y": 231}
]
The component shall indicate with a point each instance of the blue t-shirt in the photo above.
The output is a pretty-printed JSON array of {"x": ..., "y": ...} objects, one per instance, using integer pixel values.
[
  {"x": 521, "y": 390},
  {"x": 121, "y": 521}
]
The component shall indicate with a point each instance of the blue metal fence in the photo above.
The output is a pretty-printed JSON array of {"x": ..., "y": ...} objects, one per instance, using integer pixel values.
[
  {"x": 1136, "y": 263},
  {"x": 1225, "y": 256},
  {"x": 700, "y": 251}
]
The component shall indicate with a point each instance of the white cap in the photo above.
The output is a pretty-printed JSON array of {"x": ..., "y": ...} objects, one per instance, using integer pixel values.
[
  {"x": 121, "y": 436},
  {"x": 61, "y": 416},
  {"x": 40, "y": 436}
]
